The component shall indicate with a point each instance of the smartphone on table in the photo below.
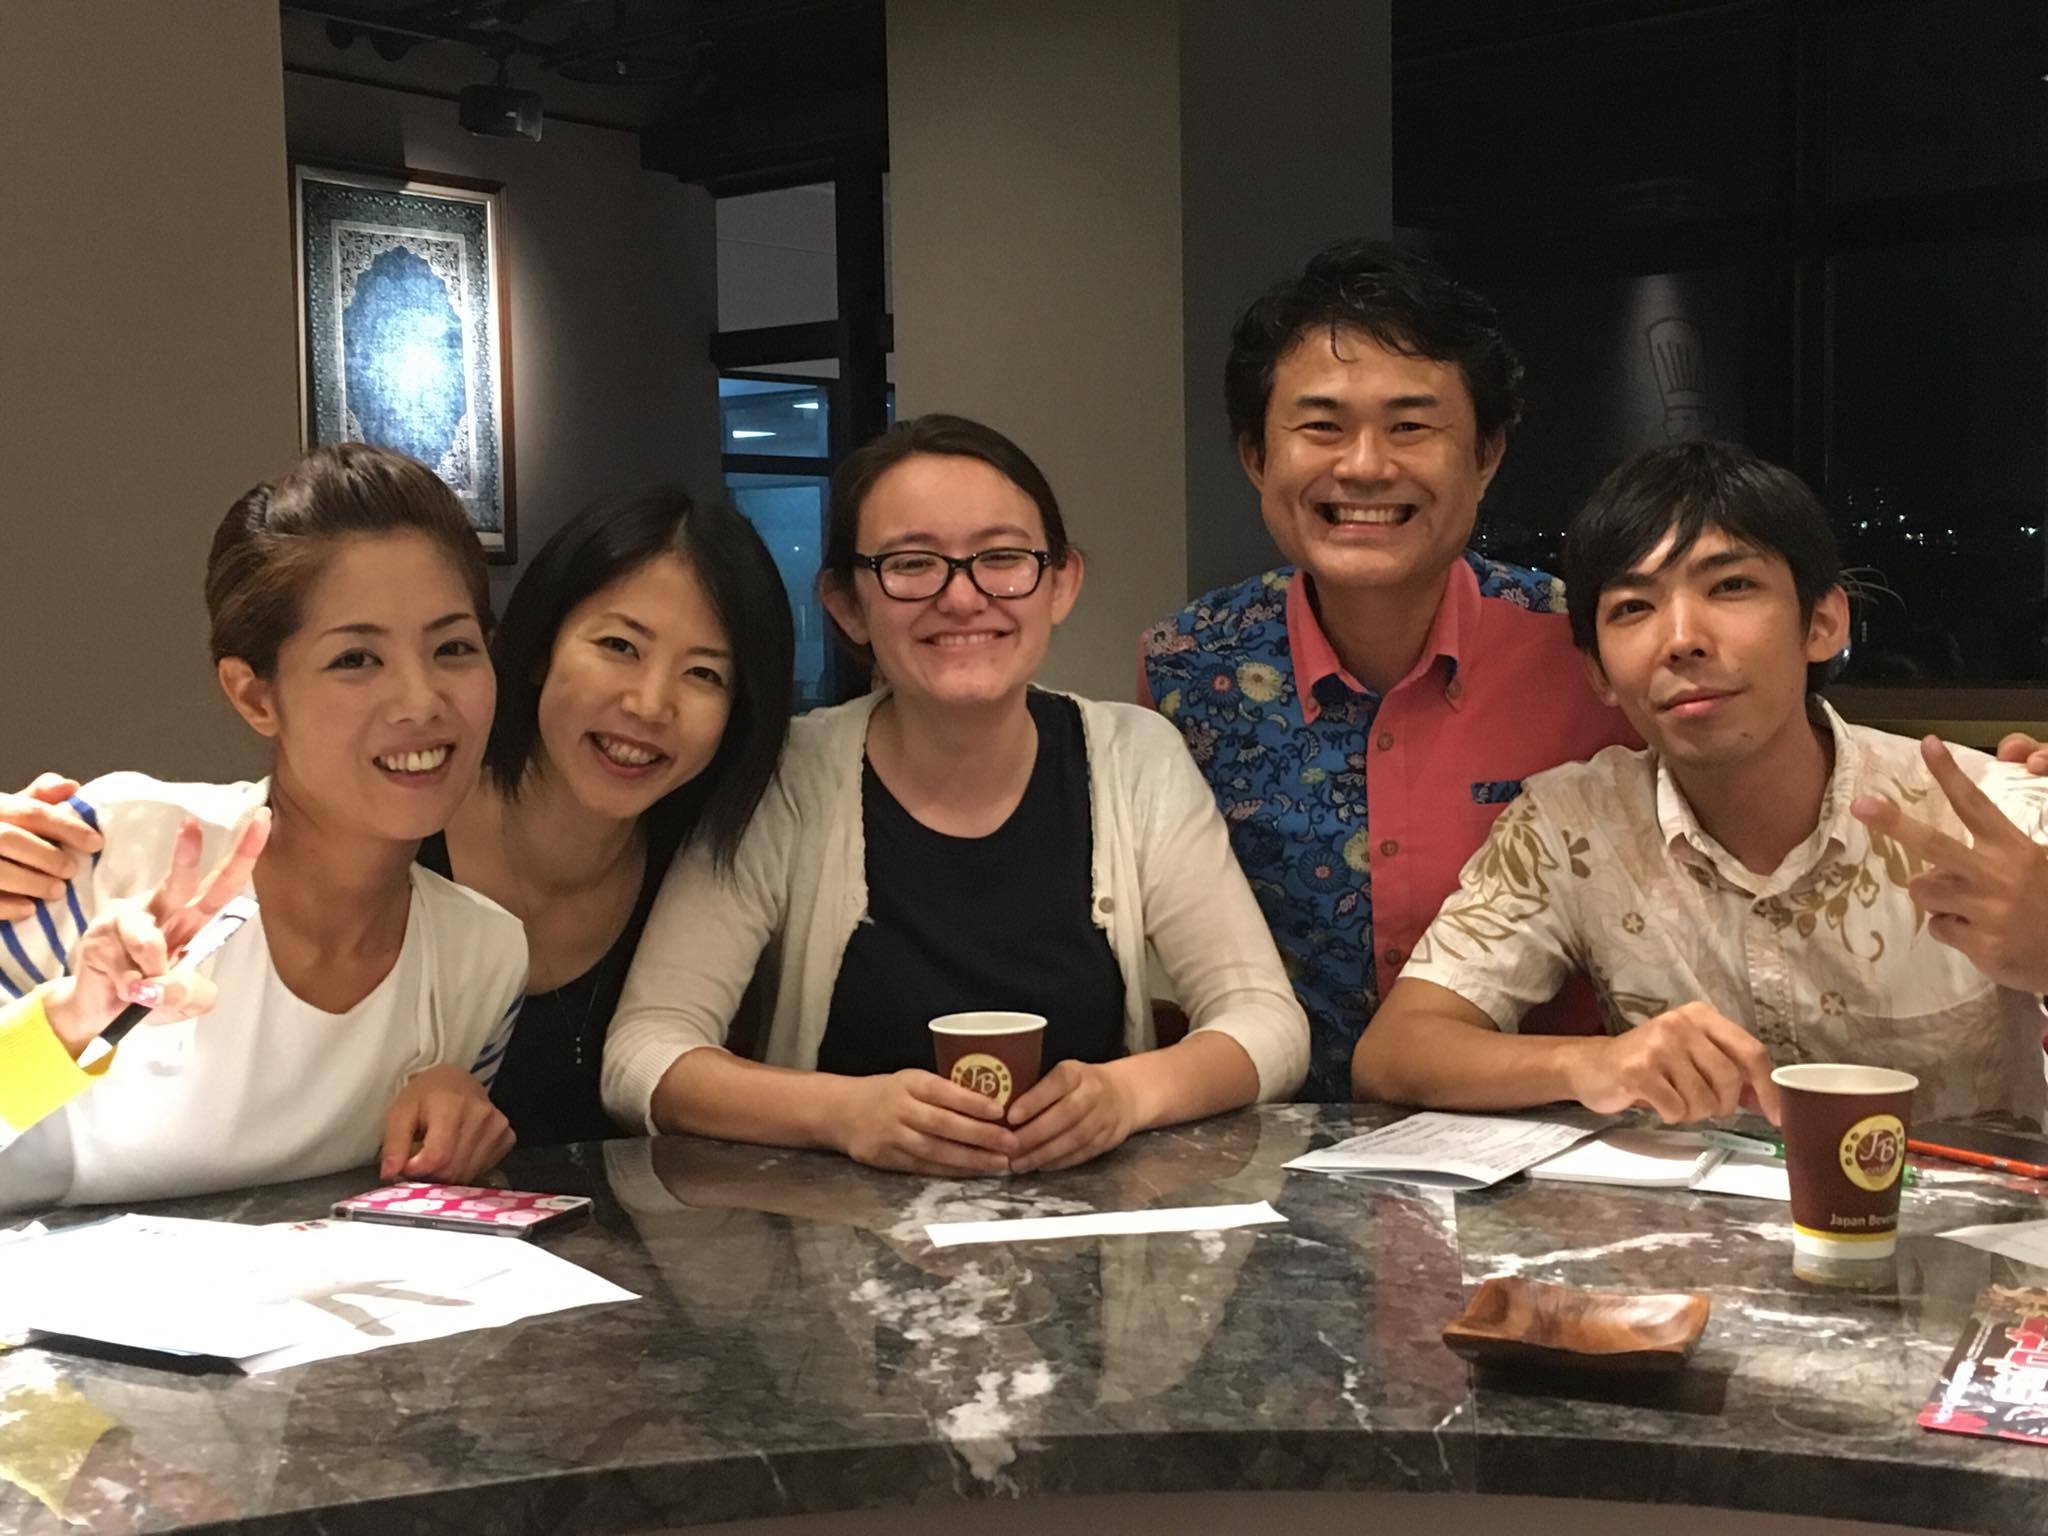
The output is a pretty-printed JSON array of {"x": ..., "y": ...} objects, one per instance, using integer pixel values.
[{"x": 464, "y": 1208}]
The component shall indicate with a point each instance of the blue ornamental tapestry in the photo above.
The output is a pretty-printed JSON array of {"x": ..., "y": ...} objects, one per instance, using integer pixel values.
[{"x": 403, "y": 330}]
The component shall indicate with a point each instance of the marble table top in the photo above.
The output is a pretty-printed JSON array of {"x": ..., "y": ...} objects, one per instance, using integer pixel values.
[{"x": 801, "y": 1347}]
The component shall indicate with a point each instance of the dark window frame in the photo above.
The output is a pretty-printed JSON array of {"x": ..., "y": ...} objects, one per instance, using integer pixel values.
[
  {"x": 859, "y": 338},
  {"x": 1793, "y": 243}
]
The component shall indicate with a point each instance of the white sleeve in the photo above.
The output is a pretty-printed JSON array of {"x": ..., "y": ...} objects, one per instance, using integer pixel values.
[
  {"x": 696, "y": 957},
  {"x": 1508, "y": 937},
  {"x": 485, "y": 1068},
  {"x": 137, "y": 818},
  {"x": 1205, "y": 924},
  {"x": 478, "y": 978},
  {"x": 2021, "y": 796}
]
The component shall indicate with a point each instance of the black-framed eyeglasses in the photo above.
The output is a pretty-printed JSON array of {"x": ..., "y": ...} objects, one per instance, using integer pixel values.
[{"x": 912, "y": 575}]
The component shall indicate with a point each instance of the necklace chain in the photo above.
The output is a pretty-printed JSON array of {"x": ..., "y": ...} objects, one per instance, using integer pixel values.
[{"x": 580, "y": 1026}]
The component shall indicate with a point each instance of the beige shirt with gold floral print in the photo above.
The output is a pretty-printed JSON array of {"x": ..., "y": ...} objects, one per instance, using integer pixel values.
[{"x": 1601, "y": 867}]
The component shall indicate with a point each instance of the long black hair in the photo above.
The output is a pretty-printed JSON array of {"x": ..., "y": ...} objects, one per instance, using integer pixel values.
[{"x": 605, "y": 542}]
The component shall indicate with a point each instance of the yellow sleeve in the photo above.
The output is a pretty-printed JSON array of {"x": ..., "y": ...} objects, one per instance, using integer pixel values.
[{"x": 37, "y": 1075}]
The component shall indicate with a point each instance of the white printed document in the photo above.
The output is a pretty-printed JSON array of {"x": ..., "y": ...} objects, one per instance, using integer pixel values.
[
  {"x": 1453, "y": 1151},
  {"x": 1034, "y": 1229},
  {"x": 2026, "y": 1241},
  {"x": 1643, "y": 1158},
  {"x": 271, "y": 1296},
  {"x": 13, "y": 1330}
]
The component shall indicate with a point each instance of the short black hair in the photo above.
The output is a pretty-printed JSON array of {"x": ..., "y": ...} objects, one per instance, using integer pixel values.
[
  {"x": 605, "y": 542},
  {"x": 1683, "y": 489},
  {"x": 1404, "y": 302},
  {"x": 933, "y": 433},
  {"x": 277, "y": 538}
]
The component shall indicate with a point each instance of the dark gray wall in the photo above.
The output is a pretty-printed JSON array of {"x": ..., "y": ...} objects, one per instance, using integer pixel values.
[
  {"x": 1286, "y": 144},
  {"x": 611, "y": 288}
]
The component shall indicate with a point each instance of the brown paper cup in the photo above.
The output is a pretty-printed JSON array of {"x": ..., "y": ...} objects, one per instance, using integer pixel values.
[
  {"x": 1845, "y": 1150},
  {"x": 998, "y": 1054}
]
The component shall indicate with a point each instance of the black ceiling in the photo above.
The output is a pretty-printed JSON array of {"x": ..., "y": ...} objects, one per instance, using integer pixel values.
[{"x": 629, "y": 64}]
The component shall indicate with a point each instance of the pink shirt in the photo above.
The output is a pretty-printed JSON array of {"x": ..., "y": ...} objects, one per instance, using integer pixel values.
[
  {"x": 1353, "y": 814},
  {"x": 1498, "y": 693}
]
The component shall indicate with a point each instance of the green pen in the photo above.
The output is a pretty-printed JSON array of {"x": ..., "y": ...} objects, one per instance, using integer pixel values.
[
  {"x": 1758, "y": 1146},
  {"x": 1735, "y": 1141}
]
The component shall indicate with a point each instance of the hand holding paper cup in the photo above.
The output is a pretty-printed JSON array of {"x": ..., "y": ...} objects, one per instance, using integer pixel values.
[
  {"x": 1845, "y": 1149},
  {"x": 997, "y": 1054}
]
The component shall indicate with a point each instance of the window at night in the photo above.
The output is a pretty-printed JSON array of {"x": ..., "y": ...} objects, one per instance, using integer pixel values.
[{"x": 1739, "y": 221}]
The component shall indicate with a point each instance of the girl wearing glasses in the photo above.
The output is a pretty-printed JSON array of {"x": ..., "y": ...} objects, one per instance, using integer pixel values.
[{"x": 957, "y": 840}]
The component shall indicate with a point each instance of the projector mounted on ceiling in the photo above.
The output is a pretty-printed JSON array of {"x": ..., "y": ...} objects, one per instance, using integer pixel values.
[{"x": 498, "y": 111}]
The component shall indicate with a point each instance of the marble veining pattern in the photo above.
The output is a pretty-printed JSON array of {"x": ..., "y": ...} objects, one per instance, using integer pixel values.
[{"x": 801, "y": 1347}]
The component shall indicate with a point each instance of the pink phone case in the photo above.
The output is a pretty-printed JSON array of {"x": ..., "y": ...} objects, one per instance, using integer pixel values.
[{"x": 463, "y": 1208}]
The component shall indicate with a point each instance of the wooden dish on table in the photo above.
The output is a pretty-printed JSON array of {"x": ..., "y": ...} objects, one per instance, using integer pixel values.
[{"x": 1530, "y": 1323}]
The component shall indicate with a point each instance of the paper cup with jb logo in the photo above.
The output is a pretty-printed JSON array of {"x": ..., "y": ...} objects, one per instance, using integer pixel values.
[
  {"x": 997, "y": 1054},
  {"x": 1845, "y": 1150}
]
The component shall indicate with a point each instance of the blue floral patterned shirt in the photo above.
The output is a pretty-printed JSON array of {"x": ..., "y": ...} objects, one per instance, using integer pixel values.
[{"x": 1350, "y": 865}]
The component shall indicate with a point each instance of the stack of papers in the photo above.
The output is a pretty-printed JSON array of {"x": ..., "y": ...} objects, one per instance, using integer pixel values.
[
  {"x": 267, "y": 1297},
  {"x": 1453, "y": 1151},
  {"x": 1652, "y": 1159}
]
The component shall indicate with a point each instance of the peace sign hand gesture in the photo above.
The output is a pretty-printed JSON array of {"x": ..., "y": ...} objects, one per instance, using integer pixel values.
[
  {"x": 129, "y": 951},
  {"x": 1988, "y": 899}
]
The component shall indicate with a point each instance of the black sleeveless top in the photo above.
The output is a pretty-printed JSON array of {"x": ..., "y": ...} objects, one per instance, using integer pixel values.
[
  {"x": 547, "y": 1084},
  {"x": 962, "y": 923}
]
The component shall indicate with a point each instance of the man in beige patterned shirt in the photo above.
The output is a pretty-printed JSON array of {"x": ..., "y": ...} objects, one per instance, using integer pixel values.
[{"x": 1766, "y": 883}]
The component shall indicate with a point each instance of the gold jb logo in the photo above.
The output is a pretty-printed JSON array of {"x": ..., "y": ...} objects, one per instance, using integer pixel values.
[
  {"x": 1873, "y": 1151},
  {"x": 985, "y": 1075}
]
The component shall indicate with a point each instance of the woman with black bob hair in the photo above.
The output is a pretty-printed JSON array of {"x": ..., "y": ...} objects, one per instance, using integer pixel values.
[{"x": 644, "y": 665}]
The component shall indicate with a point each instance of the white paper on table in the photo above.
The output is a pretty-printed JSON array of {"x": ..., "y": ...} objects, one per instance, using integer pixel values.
[
  {"x": 1645, "y": 1157},
  {"x": 2026, "y": 1241},
  {"x": 1455, "y": 1151},
  {"x": 1749, "y": 1174},
  {"x": 1636, "y": 1156},
  {"x": 150, "y": 1282},
  {"x": 285, "y": 1293},
  {"x": 527, "y": 1281},
  {"x": 13, "y": 1326},
  {"x": 1034, "y": 1229}
]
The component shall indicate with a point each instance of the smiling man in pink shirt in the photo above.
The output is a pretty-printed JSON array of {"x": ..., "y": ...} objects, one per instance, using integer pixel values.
[{"x": 1364, "y": 713}]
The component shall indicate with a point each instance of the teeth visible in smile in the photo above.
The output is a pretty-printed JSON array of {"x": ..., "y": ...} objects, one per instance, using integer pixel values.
[
  {"x": 623, "y": 753},
  {"x": 968, "y": 639},
  {"x": 413, "y": 762},
  {"x": 1340, "y": 513}
]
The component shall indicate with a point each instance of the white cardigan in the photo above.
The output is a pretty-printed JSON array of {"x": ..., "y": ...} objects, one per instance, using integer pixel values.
[{"x": 1163, "y": 873}]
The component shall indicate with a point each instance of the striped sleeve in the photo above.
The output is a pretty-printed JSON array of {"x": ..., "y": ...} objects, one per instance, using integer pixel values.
[
  {"x": 485, "y": 1068},
  {"x": 37, "y": 948}
]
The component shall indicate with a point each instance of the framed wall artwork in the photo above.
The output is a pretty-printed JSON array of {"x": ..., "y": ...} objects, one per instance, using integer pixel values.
[{"x": 404, "y": 337}]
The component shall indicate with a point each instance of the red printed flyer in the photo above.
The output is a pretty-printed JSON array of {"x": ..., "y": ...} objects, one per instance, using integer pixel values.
[{"x": 1996, "y": 1383}]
